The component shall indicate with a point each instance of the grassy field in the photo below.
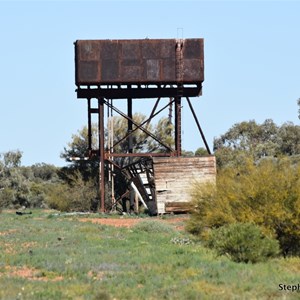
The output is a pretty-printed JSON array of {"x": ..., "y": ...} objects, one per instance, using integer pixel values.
[{"x": 48, "y": 256}]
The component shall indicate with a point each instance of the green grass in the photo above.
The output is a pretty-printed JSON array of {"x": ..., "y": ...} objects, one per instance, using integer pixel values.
[{"x": 68, "y": 259}]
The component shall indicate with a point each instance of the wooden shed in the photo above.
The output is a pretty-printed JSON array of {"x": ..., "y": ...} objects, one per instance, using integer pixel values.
[{"x": 174, "y": 177}]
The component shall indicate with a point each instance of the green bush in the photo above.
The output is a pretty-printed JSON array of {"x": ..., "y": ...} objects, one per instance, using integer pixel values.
[
  {"x": 266, "y": 194},
  {"x": 24, "y": 186},
  {"x": 243, "y": 242},
  {"x": 76, "y": 195},
  {"x": 58, "y": 197},
  {"x": 7, "y": 197},
  {"x": 152, "y": 226}
]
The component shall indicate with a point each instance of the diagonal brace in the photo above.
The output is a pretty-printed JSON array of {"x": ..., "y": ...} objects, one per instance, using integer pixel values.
[
  {"x": 139, "y": 126},
  {"x": 198, "y": 125}
]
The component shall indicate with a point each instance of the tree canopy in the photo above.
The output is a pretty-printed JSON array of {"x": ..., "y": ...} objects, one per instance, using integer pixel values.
[
  {"x": 36, "y": 185},
  {"x": 257, "y": 140},
  {"x": 298, "y": 102}
]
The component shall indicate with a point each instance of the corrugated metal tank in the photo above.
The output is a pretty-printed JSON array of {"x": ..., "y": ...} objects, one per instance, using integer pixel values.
[{"x": 139, "y": 61}]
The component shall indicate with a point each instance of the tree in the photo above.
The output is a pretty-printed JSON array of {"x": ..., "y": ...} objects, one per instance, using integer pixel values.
[
  {"x": 13, "y": 187},
  {"x": 201, "y": 152},
  {"x": 24, "y": 186},
  {"x": 289, "y": 139},
  {"x": 164, "y": 131},
  {"x": 12, "y": 159},
  {"x": 256, "y": 140},
  {"x": 78, "y": 147},
  {"x": 44, "y": 172},
  {"x": 250, "y": 136},
  {"x": 187, "y": 153},
  {"x": 139, "y": 138}
]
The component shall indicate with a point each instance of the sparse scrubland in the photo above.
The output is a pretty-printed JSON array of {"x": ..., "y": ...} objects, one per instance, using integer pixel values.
[
  {"x": 241, "y": 241},
  {"x": 47, "y": 255}
]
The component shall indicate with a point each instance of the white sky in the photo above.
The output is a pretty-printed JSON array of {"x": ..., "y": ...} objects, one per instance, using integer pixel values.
[{"x": 252, "y": 64}]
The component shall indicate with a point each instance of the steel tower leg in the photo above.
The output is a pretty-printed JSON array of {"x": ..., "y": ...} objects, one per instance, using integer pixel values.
[
  {"x": 101, "y": 154},
  {"x": 178, "y": 126}
]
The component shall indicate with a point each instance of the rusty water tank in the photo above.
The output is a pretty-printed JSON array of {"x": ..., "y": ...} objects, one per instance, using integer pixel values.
[{"x": 145, "y": 61}]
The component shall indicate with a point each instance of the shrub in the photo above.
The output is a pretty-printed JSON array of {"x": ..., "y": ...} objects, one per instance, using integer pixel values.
[
  {"x": 58, "y": 197},
  {"x": 266, "y": 194},
  {"x": 78, "y": 195},
  {"x": 152, "y": 226},
  {"x": 7, "y": 197},
  {"x": 243, "y": 242}
]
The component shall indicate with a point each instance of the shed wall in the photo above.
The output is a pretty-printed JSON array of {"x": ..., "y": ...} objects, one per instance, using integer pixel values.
[{"x": 174, "y": 177}]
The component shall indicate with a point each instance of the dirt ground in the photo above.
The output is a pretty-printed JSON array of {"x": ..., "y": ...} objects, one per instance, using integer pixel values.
[
  {"x": 28, "y": 273},
  {"x": 178, "y": 222},
  {"x": 33, "y": 274}
]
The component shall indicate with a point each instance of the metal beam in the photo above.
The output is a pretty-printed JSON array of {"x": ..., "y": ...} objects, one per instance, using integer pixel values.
[
  {"x": 198, "y": 125},
  {"x": 137, "y": 93},
  {"x": 178, "y": 125},
  {"x": 129, "y": 123},
  {"x": 152, "y": 112},
  {"x": 145, "y": 122},
  {"x": 137, "y": 125},
  {"x": 166, "y": 154},
  {"x": 89, "y": 127},
  {"x": 101, "y": 154}
]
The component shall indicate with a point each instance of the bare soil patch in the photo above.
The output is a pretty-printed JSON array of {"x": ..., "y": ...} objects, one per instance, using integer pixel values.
[
  {"x": 10, "y": 231},
  {"x": 28, "y": 273},
  {"x": 177, "y": 222},
  {"x": 112, "y": 222}
]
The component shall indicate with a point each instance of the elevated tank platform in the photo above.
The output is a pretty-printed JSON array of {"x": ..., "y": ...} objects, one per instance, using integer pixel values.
[{"x": 146, "y": 68}]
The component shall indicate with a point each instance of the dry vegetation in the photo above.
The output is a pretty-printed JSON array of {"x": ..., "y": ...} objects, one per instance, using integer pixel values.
[{"x": 60, "y": 256}]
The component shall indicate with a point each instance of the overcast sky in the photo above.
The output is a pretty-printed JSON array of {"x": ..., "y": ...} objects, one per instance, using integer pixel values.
[{"x": 252, "y": 64}]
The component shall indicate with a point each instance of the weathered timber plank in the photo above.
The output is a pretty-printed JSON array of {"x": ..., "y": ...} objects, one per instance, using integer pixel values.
[
  {"x": 178, "y": 206},
  {"x": 175, "y": 176}
]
